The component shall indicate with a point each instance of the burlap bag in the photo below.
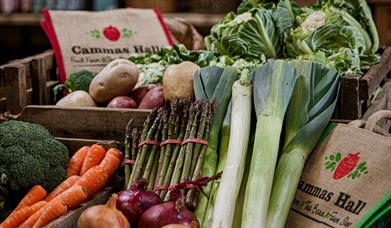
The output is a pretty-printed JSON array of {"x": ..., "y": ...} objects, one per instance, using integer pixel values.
[
  {"x": 346, "y": 182},
  {"x": 89, "y": 40}
]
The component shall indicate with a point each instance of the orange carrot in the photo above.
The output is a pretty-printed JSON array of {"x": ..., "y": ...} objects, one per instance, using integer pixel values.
[
  {"x": 17, "y": 217},
  {"x": 50, "y": 212},
  {"x": 72, "y": 197},
  {"x": 66, "y": 184},
  {"x": 93, "y": 157},
  {"x": 110, "y": 164},
  {"x": 35, "y": 194},
  {"x": 116, "y": 153},
  {"x": 32, "y": 219},
  {"x": 34, "y": 209},
  {"x": 76, "y": 161},
  {"x": 94, "y": 180}
]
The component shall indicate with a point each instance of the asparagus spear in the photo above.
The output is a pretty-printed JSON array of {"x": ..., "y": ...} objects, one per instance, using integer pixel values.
[{"x": 127, "y": 152}]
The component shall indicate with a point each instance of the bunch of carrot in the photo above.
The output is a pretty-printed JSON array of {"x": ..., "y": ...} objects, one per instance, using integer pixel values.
[{"x": 89, "y": 170}]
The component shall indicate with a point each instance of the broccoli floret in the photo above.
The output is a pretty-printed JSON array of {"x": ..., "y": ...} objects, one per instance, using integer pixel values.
[
  {"x": 79, "y": 81},
  {"x": 29, "y": 155}
]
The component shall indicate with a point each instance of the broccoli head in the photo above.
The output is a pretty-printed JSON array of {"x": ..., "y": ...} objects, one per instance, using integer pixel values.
[
  {"x": 29, "y": 155},
  {"x": 79, "y": 81}
]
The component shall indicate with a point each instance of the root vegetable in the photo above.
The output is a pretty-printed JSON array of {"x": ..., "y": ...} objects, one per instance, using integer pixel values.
[
  {"x": 138, "y": 94},
  {"x": 103, "y": 216},
  {"x": 122, "y": 102},
  {"x": 78, "y": 98},
  {"x": 153, "y": 99},
  {"x": 117, "y": 78},
  {"x": 178, "y": 80}
]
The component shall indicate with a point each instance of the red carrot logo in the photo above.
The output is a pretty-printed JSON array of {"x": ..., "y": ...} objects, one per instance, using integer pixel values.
[
  {"x": 111, "y": 33},
  {"x": 347, "y": 166}
]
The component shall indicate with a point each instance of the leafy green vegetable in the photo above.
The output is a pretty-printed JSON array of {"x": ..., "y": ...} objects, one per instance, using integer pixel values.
[
  {"x": 213, "y": 83},
  {"x": 309, "y": 112},
  {"x": 250, "y": 34},
  {"x": 79, "y": 81},
  {"x": 273, "y": 86}
]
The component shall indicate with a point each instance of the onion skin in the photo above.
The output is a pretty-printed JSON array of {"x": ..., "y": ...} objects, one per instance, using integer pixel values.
[
  {"x": 103, "y": 216},
  {"x": 134, "y": 202},
  {"x": 168, "y": 213}
]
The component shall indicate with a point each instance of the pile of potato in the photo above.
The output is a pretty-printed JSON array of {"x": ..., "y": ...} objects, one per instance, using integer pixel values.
[{"x": 113, "y": 87}]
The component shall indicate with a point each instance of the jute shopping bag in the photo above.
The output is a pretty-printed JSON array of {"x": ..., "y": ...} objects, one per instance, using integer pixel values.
[
  {"x": 346, "y": 181},
  {"x": 85, "y": 40}
]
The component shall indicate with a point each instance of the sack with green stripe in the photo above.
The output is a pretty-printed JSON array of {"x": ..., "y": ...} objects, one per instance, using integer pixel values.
[{"x": 346, "y": 181}]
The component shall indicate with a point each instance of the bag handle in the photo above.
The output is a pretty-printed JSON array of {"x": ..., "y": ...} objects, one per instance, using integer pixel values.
[{"x": 374, "y": 118}]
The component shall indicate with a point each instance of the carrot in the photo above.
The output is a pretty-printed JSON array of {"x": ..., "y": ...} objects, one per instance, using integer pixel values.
[
  {"x": 93, "y": 157},
  {"x": 94, "y": 180},
  {"x": 72, "y": 197},
  {"x": 116, "y": 153},
  {"x": 17, "y": 217},
  {"x": 35, "y": 194},
  {"x": 110, "y": 164},
  {"x": 76, "y": 161},
  {"x": 50, "y": 212},
  {"x": 66, "y": 184},
  {"x": 34, "y": 209},
  {"x": 32, "y": 219}
]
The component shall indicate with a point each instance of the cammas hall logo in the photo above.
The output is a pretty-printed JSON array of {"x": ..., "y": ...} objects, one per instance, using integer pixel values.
[
  {"x": 111, "y": 33},
  {"x": 345, "y": 166}
]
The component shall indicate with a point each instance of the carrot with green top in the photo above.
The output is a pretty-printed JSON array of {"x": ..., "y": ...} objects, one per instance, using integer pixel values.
[
  {"x": 76, "y": 161},
  {"x": 110, "y": 164},
  {"x": 66, "y": 184},
  {"x": 73, "y": 197},
  {"x": 93, "y": 158},
  {"x": 35, "y": 194},
  {"x": 94, "y": 180},
  {"x": 50, "y": 212}
]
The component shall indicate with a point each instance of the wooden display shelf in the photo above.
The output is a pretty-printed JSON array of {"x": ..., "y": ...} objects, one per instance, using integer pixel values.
[{"x": 32, "y": 19}]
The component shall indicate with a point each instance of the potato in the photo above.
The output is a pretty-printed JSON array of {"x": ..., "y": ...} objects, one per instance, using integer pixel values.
[
  {"x": 138, "y": 93},
  {"x": 122, "y": 102},
  {"x": 153, "y": 99},
  {"x": 178, "y": 80},
  {"x": 78, "y": 98},
  {"x": 117, "y": 78}
]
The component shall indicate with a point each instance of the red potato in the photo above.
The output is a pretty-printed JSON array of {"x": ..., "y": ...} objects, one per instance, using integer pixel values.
[
  {"x": 122, "y": 102},
  {"x": 153, "y": 99},
  {"x": 138, "y": 93}
]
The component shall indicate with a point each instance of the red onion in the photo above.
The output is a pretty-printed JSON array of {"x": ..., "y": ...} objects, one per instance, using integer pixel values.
[
  {"x": 168, "y": 213},
  {"x": 135, "y": 201}
]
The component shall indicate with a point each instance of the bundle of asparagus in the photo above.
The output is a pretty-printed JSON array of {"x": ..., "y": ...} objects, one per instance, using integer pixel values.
[{"x": 171, "y": 146}]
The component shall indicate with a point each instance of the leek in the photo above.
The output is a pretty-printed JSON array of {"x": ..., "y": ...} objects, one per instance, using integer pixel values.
[
  {"x": 223, "y": 148},
  {"x": 309, "y": 112},
  {"x": 227, "y": 193},
  {"x": 273, "y": 87},
  {"x": 213, "y": 83}
]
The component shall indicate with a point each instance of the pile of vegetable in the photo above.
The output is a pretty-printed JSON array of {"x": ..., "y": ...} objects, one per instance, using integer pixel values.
[
  {"x": 171, "y": 146},
  {"x": 29, "y": 155},
  {"x": 112, "y": 87},
  {"x": 89, "y": 171},
  {"x": 339, "y": 34}
]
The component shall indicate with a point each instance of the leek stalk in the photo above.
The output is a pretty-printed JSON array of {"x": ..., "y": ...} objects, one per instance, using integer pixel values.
[
  {"x": 273, "y": 86},
  {"x": 227, "y": 193},
  {"x": 309, "y": 112}
]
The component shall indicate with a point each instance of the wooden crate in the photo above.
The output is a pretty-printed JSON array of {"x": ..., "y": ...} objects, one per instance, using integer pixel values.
[
  {"x": 27, "y": 81},
  {"x": 355, "y": 92}
]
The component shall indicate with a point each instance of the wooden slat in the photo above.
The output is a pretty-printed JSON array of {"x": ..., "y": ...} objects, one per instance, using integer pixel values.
[
  {"x": 15, "y": 82},
  {"x": 73, "y": 144},
  {"x": 349, "y": 102},
  {"x": 39, "y": 75},
  {"x": 71, "y": 217},
  {"x": 382, "y": 102},
  {"x": 375, "y": 75},
  {"x": 89, "y": 123}
]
